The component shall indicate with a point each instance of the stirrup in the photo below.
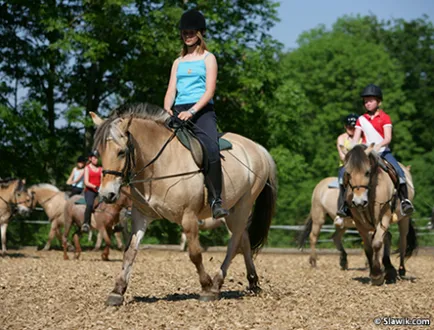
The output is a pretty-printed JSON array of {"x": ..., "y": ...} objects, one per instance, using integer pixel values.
[
  {"x": 217, "y": 210},
  {"x": 408, "y": 206}
]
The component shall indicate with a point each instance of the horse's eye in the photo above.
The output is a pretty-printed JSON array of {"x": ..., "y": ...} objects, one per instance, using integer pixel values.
[
  {"x": 368, "y": 173},
  {"x": 121, "y": 153},
  {"x": 18, "y": 194}
]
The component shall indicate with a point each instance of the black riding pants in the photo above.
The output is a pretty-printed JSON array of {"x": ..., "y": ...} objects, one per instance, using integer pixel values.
[
  {"x": 89, "y": 197},
  {"x": 205, "y": 128}
]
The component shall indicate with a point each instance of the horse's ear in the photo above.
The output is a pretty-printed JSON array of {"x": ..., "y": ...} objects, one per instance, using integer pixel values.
[
  {"x": 370, "y": 148},
  {"x": 124, "y": 124},
  {"x": 97, "y": 120},
  {"x": 408, "y": 167},
  {"x": 23, "y": 181}
]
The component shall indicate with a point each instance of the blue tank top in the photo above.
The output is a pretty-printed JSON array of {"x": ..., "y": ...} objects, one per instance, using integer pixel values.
[{"x": 190, "y": 81}]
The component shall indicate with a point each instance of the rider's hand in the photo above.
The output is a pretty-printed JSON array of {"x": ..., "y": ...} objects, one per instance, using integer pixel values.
[{"x": 185, "y": 115}]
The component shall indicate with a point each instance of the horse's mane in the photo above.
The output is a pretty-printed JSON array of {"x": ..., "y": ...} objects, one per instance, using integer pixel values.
[
  {"x": 131, "y": 110},
  {"x": 7, "y": 182},
  {"x": 45, "y": 186},
  {"x": 355, "y": 159}
]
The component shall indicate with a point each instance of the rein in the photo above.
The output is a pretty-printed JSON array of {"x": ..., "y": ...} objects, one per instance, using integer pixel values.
[{"x": 130, "y": 163}]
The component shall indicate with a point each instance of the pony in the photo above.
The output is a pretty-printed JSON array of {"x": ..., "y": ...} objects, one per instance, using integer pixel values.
[
  {"x": 13, "y": 198},
  {"x": 324, "y": 202},
  {"x": 103, "y": 220},
  {"x": 138, "y": 149},
  {"x": 372, "y": 198},
  {"x": 52, "y": 200}
]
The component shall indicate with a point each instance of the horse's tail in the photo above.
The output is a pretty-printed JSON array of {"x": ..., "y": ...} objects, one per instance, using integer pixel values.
[
  {"x": 305, "y": 233},
  {"x": 412, "y": 244},
  {"x": 265, "y": 205}
]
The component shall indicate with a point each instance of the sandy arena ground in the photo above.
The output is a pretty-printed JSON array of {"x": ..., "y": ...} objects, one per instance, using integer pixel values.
[{"x": 39, "y": 290}]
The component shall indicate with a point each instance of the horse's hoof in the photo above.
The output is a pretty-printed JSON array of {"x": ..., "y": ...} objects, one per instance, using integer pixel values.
[
  {"x": 312, "y": 262},
  {"x": 377, "y": 280},
  {"x": 254, "y": 289},
  {"x": 208, "y": 296},
  {"x": 114, "y": 299},
  {"x": 65, "y": 258},
  {"x": 104, "y": 257},
  {"x": 401, "y": 272}
]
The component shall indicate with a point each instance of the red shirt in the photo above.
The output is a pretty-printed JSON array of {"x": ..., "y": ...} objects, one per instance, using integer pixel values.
[
  {"x": 94, "y": 177},
  {"x": 379, "y": 121}
]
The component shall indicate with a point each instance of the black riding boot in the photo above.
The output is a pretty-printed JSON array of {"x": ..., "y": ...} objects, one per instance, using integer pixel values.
[
  {"x": 343, "y": 210},
  {"x": 406, "y": 205},
  {"x": 213, "y": 181}
]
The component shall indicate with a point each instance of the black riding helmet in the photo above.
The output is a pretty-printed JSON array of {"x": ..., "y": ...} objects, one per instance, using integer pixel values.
[
  {"x": 192, "y": 20},
  {"x": 81, "y": 159},
  {"x": 351, "y": 120},
  {"x": 94, "y": 153},
  {"x": 372, "y": 90}
]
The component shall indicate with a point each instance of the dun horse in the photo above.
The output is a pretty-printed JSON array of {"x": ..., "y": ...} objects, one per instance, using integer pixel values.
[
  {"x": 52, "y": 200},
  {"x": 136, "y": 147},
  {"x": 372, "y": 197},
  {"x": 103, "y": 220},
  {"x": 324, "y": 202},
  {"x": 13, "y": 198}
]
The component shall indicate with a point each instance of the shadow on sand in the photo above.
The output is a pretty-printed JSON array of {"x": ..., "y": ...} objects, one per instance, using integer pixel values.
[
  {"x": 190, "y": 296},
  {"x": 19, "y": 255}
]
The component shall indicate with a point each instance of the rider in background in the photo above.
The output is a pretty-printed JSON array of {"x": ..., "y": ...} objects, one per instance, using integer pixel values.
[
  {"x": 375, "y": 126},
  {"x": 76, "y": 178},
  {"x": 191, "y": 89},
  {"x": 344, "y": 140},
  {"x": 92, "y": 182}
]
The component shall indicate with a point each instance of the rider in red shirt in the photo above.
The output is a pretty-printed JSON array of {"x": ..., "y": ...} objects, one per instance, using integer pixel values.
[
  {"x": 375, "y": 126},
  {"x": 92, "y": 181}
]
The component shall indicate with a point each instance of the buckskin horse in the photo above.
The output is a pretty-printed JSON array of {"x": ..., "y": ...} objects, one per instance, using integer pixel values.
[
  {"x": 13, "y": 198},
  {"x": 324, "y": 202},
  {"x": 138, "y": 149},
  {"x": 372, "y": 198},
  {"x": 52, "y": 200}
]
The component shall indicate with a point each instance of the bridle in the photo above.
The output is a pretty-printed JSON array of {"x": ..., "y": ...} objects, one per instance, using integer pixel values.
[{"x": 128, "y": 176}]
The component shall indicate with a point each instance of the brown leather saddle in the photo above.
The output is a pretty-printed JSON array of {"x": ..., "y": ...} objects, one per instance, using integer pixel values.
[{"x": 392, "y": 173}]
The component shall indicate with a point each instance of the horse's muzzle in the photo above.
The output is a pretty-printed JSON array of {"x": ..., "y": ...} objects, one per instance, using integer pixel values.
[{"x": 110, "y": 198}]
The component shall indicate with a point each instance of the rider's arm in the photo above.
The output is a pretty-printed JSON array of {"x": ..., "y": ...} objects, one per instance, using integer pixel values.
[
  {"x": 69, "y": 181},
  {"x": 339, "y": 143},
  {"x": 387, "y": 136},
  {"x": 357, "y": 135},
  {"x": 211, "y": 80},
  {"x": 171, "y": 89}
]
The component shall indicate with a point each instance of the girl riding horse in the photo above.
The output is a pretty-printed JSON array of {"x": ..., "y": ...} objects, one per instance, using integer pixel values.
[
  {"x": 191, "y": 87},
  {"x": 375, "y": 126}
]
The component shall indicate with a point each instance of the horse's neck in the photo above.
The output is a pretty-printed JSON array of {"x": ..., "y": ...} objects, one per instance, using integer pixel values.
[
  {"x": 44, "y": 195},
  {"x": 150, "y": 138},
  {"x": 7, "y": 194}
]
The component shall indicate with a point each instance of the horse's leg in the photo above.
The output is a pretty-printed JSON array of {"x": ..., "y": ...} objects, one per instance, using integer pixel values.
[
  {"x": 237, "y": 222},
  {"x": 77, "y": 252},
  {"x": 183, "y": 242},
  {"x": 390, "y": 270},
  {"x": 67, "y": 227},
  {"x": 337, "y": 239},
  {"x": 98, "y": 243},
  {"x": 403, "y": 225},
  {"x": 118, "y": 237},
  {"x": 318, "y": 219},
  {"x": 252, "y": 277},
  {"x": 191, "y": 230},
  {"x": 377, "y": 273},
  {"x": 51, "y": 235},
  {"x": 105, "y": 233},
  {"x": 3, "y": 228},
  {"x": 139, "y": 224}
]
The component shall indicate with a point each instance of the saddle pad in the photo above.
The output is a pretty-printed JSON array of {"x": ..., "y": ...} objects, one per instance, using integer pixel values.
[
  {"x": 80, "y": 201},
  {"x": 184, "y": 136},
  {"x": 334, "y": 184}
]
